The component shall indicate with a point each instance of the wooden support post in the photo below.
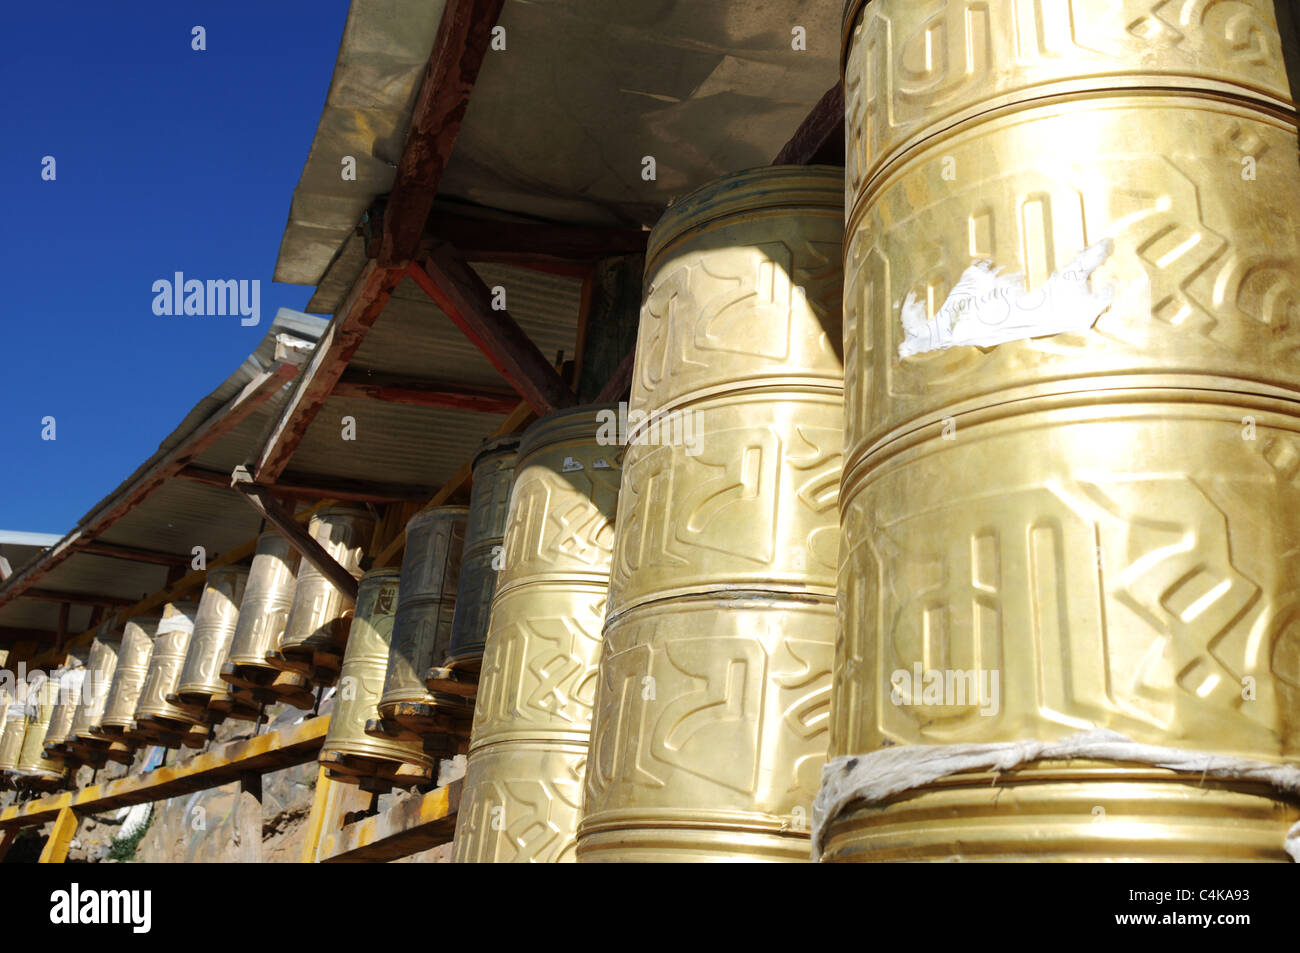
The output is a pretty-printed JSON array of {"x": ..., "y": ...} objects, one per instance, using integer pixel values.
[
  {"x": 316, "y": 819},
  {"x": 61, "y": 835},
  {"x": 7, "y": 838},
  {"x": 250, "y": 818},
  {"x": 282, "y": 519},
  {"x": 612, "y": 329},
  {"x": 446, "y": 277},
  {"x": 61, "y": 633}
]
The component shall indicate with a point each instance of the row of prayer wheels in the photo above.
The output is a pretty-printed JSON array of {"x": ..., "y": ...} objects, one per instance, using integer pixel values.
[{"x": 875, "y": 502}]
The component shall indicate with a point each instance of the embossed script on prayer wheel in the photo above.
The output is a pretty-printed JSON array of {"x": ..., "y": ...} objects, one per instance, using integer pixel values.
[
  {"x": 320, "y": 615},
  {"x": 101, "y": 666},
  {"x": 133, "y": 655},
  {"x": 267, "y": 599},
  {"x": 537, "y": 685},
  {"x": 1088, "y": 527},
  {"x": 484, "y": 556},
  {"x": 435, "y": 540},
  {"x": 349, "y": 754},
  {"x": 31, "y": 756},
  {"x": 171, "y": 641},
  {"x": 11, "y": 739},
  {"x": 710, "y": 725},
  {"x": 65, "y": 707},
  {"x": 214, "y": 632}
]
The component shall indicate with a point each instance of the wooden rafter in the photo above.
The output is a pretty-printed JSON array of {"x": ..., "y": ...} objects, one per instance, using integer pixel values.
[
  {"x": 282, "y": 518},
  {"x": 373, "y": 287},
  {"x": 520, "y": 243},
  {"x": 74, "y": 598},
  {"x": 446, "y": 277},
  {"x": 424, "y": 393},
  {"x": 98, "y": 547},
  {"x": 458, "y": 51}
]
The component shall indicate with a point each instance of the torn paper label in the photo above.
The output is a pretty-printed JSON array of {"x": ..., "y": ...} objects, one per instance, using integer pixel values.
[{"x": 987, "y": 308}]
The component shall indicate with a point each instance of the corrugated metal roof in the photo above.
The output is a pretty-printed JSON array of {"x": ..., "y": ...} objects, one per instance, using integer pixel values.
[
  {"x": 559, "y": 122},
  {"x": 177, "y": 515}
]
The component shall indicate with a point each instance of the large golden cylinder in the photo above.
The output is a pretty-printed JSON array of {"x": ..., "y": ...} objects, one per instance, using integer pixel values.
[
  {"x": 65, "y": 707},
  {"x": 710, "y": 726},
  {"x": 320, "y": 615},
  {"x": 532, "y": 717},
  {"x": 1103, "y": 520},
  {"x": 32, "y": 762},
  {"x": 134, "y": 652},
  {"x": 214, "y": 632},
  {"x": 101, "y": 666},
  {"x": 435, "y": 539},
  {"x": 268, "y": 597},
  {"x": 489, "y": 506},
  {"x": 349, "y": 754},
  {"x": 171, "y": 642},
  {"x": 11, "y": 739}
]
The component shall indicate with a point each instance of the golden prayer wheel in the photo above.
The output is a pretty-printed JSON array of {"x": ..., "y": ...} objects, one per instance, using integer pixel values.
[
  {"x": 435, "y": 539},
  {"x": 133, "y": 653},
  {"x": 268, "y": 597},
  {"x": 214, "y": 632},
  {"x": 101, "y": 665},
  {"x": 484, "y": 556},
  {"x": 11, "y": 739},
  {"x": 349, "y": 754},
  {"x": 65, "y": 708},
  {"x": 32, "y": 763},
  {"x": 532, "y": 717},
  {"x": 320, "y": 614},
  {"x": 710, "y": 724},
  {"x": 1089, "y": 526},
  {"x": 171, "y": 642}
]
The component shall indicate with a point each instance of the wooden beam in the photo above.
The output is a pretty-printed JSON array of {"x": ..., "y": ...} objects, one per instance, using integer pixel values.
[
  {"x": 365, "y": 302},
  {"x": 517, "y": 243},
  {"x": 56, "y": 846},
  {"x": 97, "y": 547},
  {"x": 423, "y": 393},
  {"x": 21, "y": 632},
  {"x": 61, "y": 633},
  {"x": 281, "y": 517},
  {"x": 458, "y": 481},
  {"x": 221, "y": 422},
  {"x": 76, "y": 598},
  {"x": 412, "y": 825},
  {"x": 351, "y": 491},
  {"x": 820, "y": 137},
  {"x": 205, "y": 475},
  {"x": 446, "y": 277},
  {"x": 215, "y": 767},
  {"x": 458, "y": 50}
]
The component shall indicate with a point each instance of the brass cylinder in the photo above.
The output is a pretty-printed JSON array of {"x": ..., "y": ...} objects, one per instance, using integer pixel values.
[
  {"x": 349, "y": 754},
  {"x": 32, "y": 762},
  {"x": 320, "y": 614},
  {"x": 435, "y": 539},
  {"x": 532, "y": 717},
  {"x": 171, "y": 642},
  {"x": 1094, "y": 529},
  {"x": 214, "y": 632},
  {"x": 484, "y": 556},
  {"x": 11, "y": 739},
  {"x": 268, "y": 597},
  {"x": 65, "y": 707},
  {"x": 101, "y": 666},
  {"x": 133, "y": 656},
  {"x": 710, "y": 724}
]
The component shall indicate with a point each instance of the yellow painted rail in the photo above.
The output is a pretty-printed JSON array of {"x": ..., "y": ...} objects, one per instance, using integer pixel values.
[
  {"x": 415, "y": 824},
  {"x": 221, "y": 765}
]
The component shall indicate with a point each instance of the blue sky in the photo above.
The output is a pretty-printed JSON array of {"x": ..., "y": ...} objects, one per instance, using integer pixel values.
[{"x": 167, "y": 160}]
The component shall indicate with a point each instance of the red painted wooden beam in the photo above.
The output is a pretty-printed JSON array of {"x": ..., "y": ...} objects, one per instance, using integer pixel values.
[
  {"x": 820, "y": 137},
  {"x": 446, "y": 277},
  {"x": 458, "y": 51}
]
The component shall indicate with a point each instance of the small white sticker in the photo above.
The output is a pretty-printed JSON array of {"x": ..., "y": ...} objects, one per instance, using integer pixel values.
[
  {"x": 570, "y": 465},
  {"x": 601, "y": 463}
]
